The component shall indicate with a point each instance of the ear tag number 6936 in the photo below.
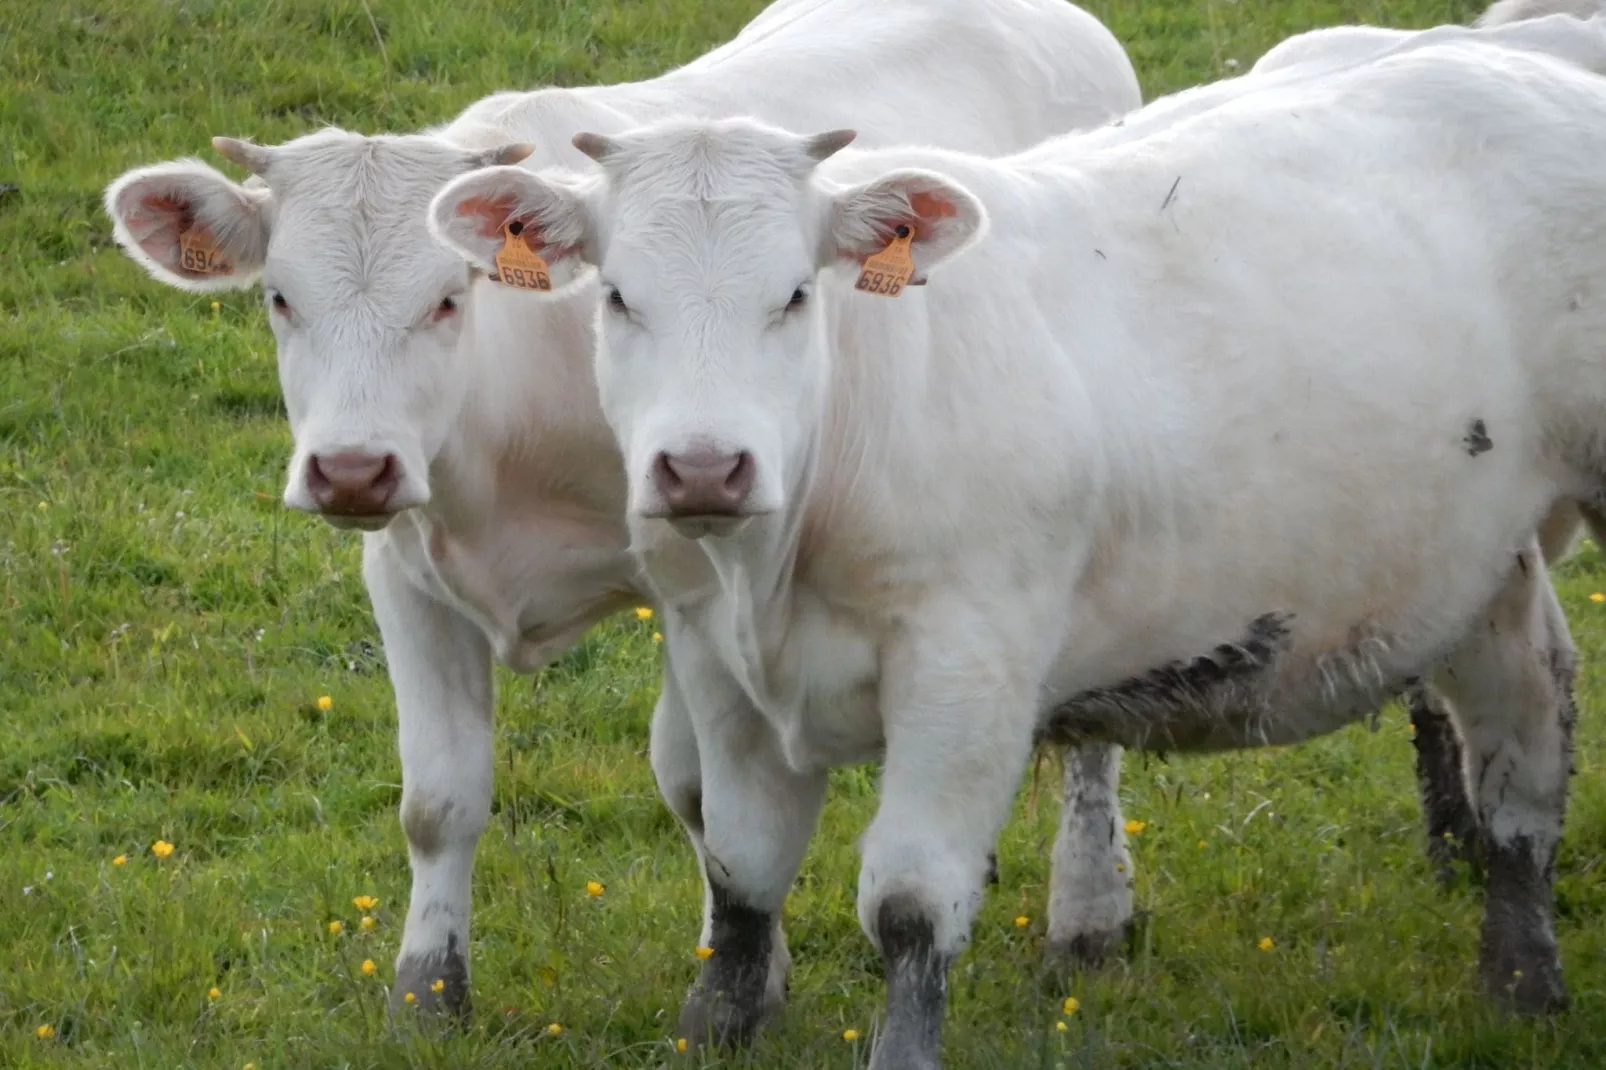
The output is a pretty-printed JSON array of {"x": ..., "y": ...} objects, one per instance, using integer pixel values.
[
  {"x": 888, "y": 272},
  {"x": 518, "y": 265}
]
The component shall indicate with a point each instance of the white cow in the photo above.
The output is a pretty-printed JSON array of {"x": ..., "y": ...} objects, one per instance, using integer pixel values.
[
  {"x": 489, "y": 482},
  {"x": 1218, "y": 437},
  {"x": 1090, "y": 900}
]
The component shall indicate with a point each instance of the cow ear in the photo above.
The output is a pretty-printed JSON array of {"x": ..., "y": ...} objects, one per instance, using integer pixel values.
[
  {"x": 191, "y": 226},
  {"x": 943, "y": 217},
  {"x": 472, "y": 214}
]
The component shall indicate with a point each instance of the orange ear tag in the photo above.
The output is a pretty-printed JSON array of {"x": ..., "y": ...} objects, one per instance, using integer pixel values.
[
  {"x": 887, "y": 272},
  {"x": 518, "y": 265},
  {"x": 199, "y": 255}
]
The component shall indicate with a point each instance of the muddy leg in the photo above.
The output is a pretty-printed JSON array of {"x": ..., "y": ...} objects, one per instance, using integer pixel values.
[
  {"x": 1090, "y": 882},
  {"x": 1452, "y": 825},
  {"x": 1509, "y": 690}
]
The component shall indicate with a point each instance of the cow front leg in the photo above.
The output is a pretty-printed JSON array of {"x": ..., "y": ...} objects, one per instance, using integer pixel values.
[
  {"x": 1090, "y": 880},
  {"x": 958, "y": 734},
  {"x": 1452, "y": 824},
  {"x": 1509, "y": 689},
  {"x": 440, "y": 668},
  {"x": 678, "y": 767},
  {"x": 757, "y": 817}
]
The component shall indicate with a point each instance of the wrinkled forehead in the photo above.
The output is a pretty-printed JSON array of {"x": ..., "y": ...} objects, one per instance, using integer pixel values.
[
  {"x": 353, "y": 210},
  {"x": 717, "y": 215}
]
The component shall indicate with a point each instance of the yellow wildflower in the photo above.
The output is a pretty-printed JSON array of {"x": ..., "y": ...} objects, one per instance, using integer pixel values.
[
  {"x": 643, "y": 613},
  {"x": 216, "y": 305},
  {"x": 213, "y": 993},
  {"x": 850, "y": 1035},
  {"x": 594, "y": 888},
  {"x": 1204, "y": 843},
  {"x": 364, "y": 902},
  {"x": 325, "y": 703},
  {"x": 335, "y": 927},
  {"x": 249, "y": 1066},
  {"x": 705, "y": 953},
  {"x": 1071, "y": 1005},
  {"x": 120, "y": 860},
  {"x": 554, "y": 1029},
  {"x": 367, "y": 922},
  {"x": 1266, "y": 943},
  {"x": 1135, "y": 827},
  {"x": 368, "y": 967},
  {"x": 1597, "y": 597},
  {"x": 439, "y": 985},
  {"x": 45, "y": 1032},
  {"x": 657, "y": 637},
  {"x": 409, "y": 998},
  {"x": 161, "y": 848},
  {"x": 1061, "y": 1026},
  {"x": 1022, "y": 921},
  {"x": 680, "y": 1045}
]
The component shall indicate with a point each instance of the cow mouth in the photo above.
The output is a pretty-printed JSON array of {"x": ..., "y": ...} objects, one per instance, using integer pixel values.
[
  {"x": 700, "y": 525},
  {"x": 358, "y": 521}
]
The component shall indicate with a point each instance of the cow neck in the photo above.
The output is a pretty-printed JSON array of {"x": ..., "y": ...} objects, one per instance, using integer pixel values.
[{"x": 530, "y": 425}]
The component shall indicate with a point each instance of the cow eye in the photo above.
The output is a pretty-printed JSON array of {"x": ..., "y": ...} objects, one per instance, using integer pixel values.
[
  {"x": 447, "y": 308},
  {"x": 616, "y": 300},
  {"x": 799, "y": 296},
  {"x": 280, "y": 305}
]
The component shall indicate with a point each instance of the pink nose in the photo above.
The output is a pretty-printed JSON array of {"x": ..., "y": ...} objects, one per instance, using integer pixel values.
[
  {"x": 353, "y": 483},
  {"x": 703, "y": 482}
]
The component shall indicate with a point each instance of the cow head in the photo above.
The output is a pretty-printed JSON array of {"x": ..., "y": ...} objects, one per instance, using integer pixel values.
[
  {"x": 366, "y": 307},
  {"x": 710, "y": 239}
]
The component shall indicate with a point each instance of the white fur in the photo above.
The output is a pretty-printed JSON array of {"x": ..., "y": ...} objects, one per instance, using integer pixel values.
[
  {"x": 1162, "y": 400},
  {"x": 509, "y": 517}
]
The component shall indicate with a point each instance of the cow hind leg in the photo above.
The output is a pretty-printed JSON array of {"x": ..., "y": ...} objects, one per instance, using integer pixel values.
[
  {"x": 1090, "y": 881},
  {"x": 1452, "y": 823},
  {"x": 1509, "y": 691}
]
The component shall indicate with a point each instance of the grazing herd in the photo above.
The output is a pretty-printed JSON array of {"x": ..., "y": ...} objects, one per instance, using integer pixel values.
[{"x": 948, "y": 403}]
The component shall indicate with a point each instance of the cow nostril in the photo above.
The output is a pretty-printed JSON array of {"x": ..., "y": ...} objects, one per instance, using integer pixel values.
[
  {"x": 387, "y": 478},
  {"x": 317, "y": 482},
  {"x": 664, "y": 473},
  {"x": 739, "y": 481}
]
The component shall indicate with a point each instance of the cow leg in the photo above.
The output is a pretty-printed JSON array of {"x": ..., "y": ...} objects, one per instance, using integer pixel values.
[
  {"x": 1509, "y": 687},
  {"x": 440, "y": 668},
  {"x": 1090, "y": 881},
  {"x": 958, "y": 734},
  {"x": 1440, "y": 771},
  {"x": 678, "y": 767},
  {"x": 757, "y": 816}
]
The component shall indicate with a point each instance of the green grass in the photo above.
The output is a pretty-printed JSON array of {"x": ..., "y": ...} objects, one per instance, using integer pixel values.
[{"x": 168, "y": 629}]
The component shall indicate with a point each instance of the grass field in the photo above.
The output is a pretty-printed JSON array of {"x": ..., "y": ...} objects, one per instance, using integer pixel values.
[{"x": 169, "y": 631}]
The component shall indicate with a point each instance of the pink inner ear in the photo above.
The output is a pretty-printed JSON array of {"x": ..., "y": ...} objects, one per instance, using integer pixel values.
[
  {"x": 494, "y": 213},
  {"x": 929, "y": 206},
  {"x": 156, "y": 221}
]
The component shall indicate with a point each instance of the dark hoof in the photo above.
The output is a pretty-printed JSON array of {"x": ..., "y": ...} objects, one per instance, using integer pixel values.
[
  {"x": 437, "y": 982},
  {"x": 885, "y": 1058},
  {"x": 715, "y": 1017},
  {"x": 1090, "y": 950},
  {"x": 1529, "y": 982}
]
